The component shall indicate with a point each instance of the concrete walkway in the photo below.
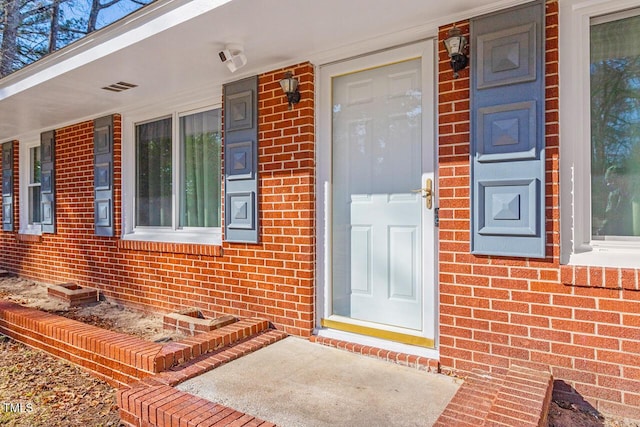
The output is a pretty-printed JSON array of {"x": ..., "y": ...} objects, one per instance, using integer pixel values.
[{"x": 297, "y": 383}]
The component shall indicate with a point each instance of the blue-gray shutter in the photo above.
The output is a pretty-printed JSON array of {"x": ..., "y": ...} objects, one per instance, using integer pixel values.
[
  {"x": 48, "y": 181},
  {"x": 7, "y": 186},
  {"x": 241, "y": 161},
  {"x": 103, "y": 176},
  {"x": 507, "y": 133}
]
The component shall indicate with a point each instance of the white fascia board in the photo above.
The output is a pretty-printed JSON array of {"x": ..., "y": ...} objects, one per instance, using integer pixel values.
[{"x": 137, "y": 27}]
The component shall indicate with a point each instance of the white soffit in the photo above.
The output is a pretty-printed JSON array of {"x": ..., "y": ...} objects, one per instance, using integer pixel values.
[{"x": 169, "y": 50}]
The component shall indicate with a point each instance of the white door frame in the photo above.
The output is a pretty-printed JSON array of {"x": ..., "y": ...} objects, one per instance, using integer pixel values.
[{"x": 424, "y": 49}]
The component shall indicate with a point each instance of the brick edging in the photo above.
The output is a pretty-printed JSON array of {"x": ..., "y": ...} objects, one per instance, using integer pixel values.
[
  {"x": 146, "y": 396},
  {"x": 520, "y": 396},
  {"x": 117, "y": 358},
  {"x": 114, "y": 357}
]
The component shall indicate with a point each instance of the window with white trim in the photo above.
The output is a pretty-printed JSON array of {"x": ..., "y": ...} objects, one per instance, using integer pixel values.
[
  {"x": 615, "y": 126},
  {"x": 600, "y": 133},
  {"x": 30, "y": 176},
  {"x": 177, "y": 174},
  {"x": 34, "y": 186}
]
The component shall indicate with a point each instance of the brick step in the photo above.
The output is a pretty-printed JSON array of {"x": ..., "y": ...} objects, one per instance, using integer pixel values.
[
  {"x": 520, "y": 396},
  {"x": 177, "y": 353},
  {"x": 154, "y": 402}
]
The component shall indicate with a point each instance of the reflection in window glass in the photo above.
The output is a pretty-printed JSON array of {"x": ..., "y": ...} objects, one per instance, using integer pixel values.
[
  {"x": 200, "y": 159},
  {"x": 153, "y": 174},
  {"x": 615, "y": 127}
]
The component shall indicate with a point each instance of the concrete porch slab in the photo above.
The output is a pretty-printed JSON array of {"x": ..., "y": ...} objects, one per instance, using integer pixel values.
[{"x": 298, "y": 383}]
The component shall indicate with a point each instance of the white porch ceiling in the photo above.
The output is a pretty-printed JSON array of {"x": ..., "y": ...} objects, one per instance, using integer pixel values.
[{"x": 170, "y": 48}]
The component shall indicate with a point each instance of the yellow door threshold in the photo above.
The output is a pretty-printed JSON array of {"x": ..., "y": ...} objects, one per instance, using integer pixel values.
[{"x": 378, "y": 333}]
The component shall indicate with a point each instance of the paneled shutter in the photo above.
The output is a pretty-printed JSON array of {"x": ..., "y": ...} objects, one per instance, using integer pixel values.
[
  {"x": 48, "y": 182},
  {"x": 7, "y": 186},
  {"x": 507, "y": 133},
  {"x": 241, "y": 161},
  {"x": 103, "y": 175}
]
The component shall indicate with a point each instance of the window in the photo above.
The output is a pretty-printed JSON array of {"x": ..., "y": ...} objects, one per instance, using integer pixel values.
[
  {"x": 29, "y": 193},
  {"x": 34, "y": 185},
  {"x": 154, "y": 174},
  {"x": 615, "y": 126},
  {"x": 178, "y": 176},
  {"x": 600, "y": 133},
  {"x": 200, "y": 176}
]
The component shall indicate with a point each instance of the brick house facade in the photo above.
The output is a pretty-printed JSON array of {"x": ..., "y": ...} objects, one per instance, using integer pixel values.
[
  {"x": 494, "y": 311},
  {"x": 583, "y": 323},
  {"x": 273, "y": 279}
]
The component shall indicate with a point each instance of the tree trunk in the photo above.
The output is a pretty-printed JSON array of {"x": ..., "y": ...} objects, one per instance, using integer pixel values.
[
  {"x": 9, "y": 47},
  {"x": 55, "y": 26},
  {"x": 96, "y": 7},
  {"x": 93, "y": 16}
]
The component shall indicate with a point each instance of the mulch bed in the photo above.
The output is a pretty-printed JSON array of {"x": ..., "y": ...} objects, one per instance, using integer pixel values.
[{"x": 37, "y": 389}]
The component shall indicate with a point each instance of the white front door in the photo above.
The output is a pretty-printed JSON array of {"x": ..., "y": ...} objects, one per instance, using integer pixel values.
[{"x": 380, "y": 228}]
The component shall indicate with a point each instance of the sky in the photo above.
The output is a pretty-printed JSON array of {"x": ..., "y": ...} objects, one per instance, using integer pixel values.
[{"x": 106, "y": 16}]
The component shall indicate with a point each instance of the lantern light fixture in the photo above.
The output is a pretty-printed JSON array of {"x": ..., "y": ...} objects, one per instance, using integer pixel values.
[
  {"x": 456, "y": 45},
  {"x": 289, "y": 85}
]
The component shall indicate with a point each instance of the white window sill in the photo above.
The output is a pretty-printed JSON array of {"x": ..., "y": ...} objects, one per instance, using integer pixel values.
[
  {"x": 31, "y": 231},
  {"x": 607, "y": 257},
  {"x": 187, "y": 237}
]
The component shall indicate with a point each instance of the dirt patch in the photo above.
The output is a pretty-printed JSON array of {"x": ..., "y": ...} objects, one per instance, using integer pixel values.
[
  {"x": 103, "y": 314},
  {"x": 37, "y": 389},
  {"x": 565, "y": 414}
]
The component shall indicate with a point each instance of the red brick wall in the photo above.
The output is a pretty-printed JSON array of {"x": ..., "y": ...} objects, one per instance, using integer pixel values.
[
  {"x": 273, "y": 279},
  {"x": 496, "y": 311}
]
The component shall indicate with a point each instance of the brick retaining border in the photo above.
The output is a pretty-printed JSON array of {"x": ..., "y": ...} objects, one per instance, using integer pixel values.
[
  {"x": 116, "y": 358},
  {"x": 519, "y": 397},
  {"x": 145, "y": 372}
]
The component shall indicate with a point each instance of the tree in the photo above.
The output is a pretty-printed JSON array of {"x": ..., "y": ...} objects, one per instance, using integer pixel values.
[
  {"x": 11, "y": 21},
  {"x": 55, "y": 26},
  {"x": 96, "y": 7},
  {"x": 30, "y": 29}
]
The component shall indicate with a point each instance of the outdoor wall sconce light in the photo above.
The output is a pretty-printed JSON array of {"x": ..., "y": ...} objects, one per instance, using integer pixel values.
[
  {"x": 289, "y": 85},
  {"x": 456, "y": 45}
]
